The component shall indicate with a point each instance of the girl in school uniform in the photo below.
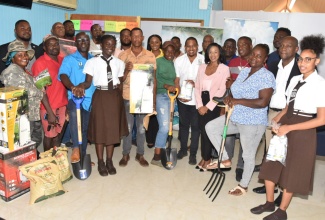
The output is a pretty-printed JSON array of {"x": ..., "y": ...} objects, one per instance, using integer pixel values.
[{"x": 304, "y": 112}]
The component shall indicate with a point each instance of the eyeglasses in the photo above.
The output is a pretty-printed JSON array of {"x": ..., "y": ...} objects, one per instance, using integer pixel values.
[
  {"x": 82, "y": 40},
  {"x": 306, "y": 59}
]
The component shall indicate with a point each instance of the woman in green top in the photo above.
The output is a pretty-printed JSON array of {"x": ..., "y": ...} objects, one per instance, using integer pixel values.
[{"x": 165, "y": 81}]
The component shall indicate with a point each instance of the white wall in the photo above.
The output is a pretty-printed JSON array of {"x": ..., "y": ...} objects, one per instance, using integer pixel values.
[{"x": 300, "y": 24}]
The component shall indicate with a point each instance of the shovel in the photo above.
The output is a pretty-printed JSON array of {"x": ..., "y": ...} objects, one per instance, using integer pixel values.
[
  {"x": 169, "y": 155},
  {"x": 82, "y": 169}
]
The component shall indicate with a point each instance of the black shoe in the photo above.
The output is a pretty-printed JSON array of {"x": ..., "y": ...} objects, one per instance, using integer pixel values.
[
  {"x": 267, "y": 207},
  {"x": 239, "y": 174},
  {"x": 278, "y": 200},
  {"x": 69, "y": 144},
  {"x": 262, "y": 190},
  {"x": 181, "y": 154},
  {"x": 257, "y": 168},
  {"x": 192, "y": 160}
]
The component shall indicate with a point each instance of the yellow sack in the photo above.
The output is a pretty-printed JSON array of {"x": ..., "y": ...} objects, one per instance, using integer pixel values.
[
  {"x": 44, "y": 176},
  {"x": 61, "y": 159}
]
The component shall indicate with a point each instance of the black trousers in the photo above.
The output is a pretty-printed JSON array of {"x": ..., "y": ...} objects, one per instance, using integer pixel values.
[
  {"x": 206, "y": 145},
  {"x": 152, "y": 131}
]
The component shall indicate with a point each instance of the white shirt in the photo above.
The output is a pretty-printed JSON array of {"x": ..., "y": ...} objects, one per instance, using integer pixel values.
[
  {"x": 186, "y": 70},
  {"x": 311, "y": 95},
  {"x": 278, "y": 99},
  {"x": 97, "y": 68},
  {"x": 94, "y": 49}
]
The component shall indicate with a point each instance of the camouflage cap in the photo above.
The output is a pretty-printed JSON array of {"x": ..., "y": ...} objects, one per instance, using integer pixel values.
[{"x": 17, "y": 46}]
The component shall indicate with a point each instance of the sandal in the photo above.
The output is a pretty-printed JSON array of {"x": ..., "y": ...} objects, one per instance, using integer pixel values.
[
  {"x": 238, "y": 191},
  {"x": 215, "y": 165}
]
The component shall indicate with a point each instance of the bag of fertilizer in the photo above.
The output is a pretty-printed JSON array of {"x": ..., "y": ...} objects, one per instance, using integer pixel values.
[
  {"x": 43, "y": 79},
  {"x": 61, "y": 159},
  {"x": 44, "y": 176}
]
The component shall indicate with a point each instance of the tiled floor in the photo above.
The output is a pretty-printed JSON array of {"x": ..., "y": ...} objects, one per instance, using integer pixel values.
[{"x": 156, "y": 193}]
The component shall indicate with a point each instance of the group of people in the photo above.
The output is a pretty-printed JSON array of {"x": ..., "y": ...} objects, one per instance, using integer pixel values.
[{"x": 262, "y": 87}]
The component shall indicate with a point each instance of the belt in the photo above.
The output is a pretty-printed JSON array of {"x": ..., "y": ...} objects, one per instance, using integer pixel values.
[
  {"x": 309, "y": 115},
  {"x": 276, "y": 109},
  {"x": 106, "y": 87}
]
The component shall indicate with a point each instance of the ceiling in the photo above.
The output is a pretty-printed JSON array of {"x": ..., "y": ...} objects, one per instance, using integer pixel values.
[{"x": 304, "y": 6}]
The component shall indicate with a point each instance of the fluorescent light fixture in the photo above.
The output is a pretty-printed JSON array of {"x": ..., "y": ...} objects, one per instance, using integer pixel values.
[{"x": 292, "y": 4}]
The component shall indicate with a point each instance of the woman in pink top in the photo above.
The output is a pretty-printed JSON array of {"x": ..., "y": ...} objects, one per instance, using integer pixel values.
[{"x": 210, "y": 82}]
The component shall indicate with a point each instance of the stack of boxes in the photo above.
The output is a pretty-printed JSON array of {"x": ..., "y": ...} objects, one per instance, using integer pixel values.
[{"x": 16, "y": 148}]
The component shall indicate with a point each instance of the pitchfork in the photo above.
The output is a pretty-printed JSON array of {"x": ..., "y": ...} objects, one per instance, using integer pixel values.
[{"x": 218, "y": 175}]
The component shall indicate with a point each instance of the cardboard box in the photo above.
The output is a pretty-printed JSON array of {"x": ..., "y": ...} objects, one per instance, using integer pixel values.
[
  {"x": 15, "y": 128},
  {"x": 12, "y": 183}
]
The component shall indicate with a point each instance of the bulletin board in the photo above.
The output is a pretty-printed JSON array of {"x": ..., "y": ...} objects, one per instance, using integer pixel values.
[{"x": 109, "y": 23}]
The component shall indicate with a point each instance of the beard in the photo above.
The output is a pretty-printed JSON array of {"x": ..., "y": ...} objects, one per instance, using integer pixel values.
[
  {"x": 70, "y": 34},
  {"x": 22, "y": 38},
  {"x": 126, "y": 44}
]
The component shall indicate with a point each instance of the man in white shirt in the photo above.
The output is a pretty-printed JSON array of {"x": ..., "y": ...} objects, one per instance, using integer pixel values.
[
  {"x": 283, "y": 71},
  {"x": 186, "y": 67},
  {"x": 96, "y": 34}
]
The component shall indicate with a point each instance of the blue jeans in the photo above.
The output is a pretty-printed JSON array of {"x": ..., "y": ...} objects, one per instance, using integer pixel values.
[
  {"x": 163, "y": 117},
  {"x": 74, "y": 127},
  {"x": 127, "y": 141}
]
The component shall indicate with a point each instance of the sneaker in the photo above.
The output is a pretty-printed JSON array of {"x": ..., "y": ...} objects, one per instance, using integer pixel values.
[
  {"x": 192, "y": 160},
  {"x": 156, "y": 162},
  {"x": 181, "y": 154}
]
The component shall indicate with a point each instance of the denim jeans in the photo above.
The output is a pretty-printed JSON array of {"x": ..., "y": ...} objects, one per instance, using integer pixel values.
[
  {"x": 74, "y": 127},
  {"x": 250, "y": 137},
  {"x": 66, "y": 136},
  {"x": 163, "y": 117},
  {"x": 188, "y": 117},
  {"x": 127, "y": 141}
]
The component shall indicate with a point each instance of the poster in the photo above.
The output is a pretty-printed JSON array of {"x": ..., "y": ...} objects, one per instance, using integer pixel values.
[
  {"x": 183, "y": 33},
  {"x": 258, "y": 31},
  {"x": 141, "y": 88},
  {"x": 67, "y": 47}
]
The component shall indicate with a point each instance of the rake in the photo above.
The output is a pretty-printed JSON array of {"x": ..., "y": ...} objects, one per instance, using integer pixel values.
[{"x": 218, "y": 176}]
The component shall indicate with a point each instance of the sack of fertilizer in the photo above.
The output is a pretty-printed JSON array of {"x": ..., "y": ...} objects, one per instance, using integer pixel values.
[
  {"x": 44, "y": 177},
  {"x": 43, "y": 79},
  {"x": 60, "y": 155}
]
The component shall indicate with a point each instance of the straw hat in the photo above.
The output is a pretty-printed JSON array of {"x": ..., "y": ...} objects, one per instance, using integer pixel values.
[{"x": 17, "y": 46}]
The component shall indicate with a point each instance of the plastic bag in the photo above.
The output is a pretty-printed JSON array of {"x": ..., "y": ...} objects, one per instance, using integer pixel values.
[{"x": 278, "y": 149}]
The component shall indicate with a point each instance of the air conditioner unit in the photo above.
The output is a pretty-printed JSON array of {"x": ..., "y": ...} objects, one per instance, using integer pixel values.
[{"x": 66, "y": 4}]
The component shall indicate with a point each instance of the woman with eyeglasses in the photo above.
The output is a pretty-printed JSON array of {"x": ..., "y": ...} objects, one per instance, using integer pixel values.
[{"x": 304, "y": 112}]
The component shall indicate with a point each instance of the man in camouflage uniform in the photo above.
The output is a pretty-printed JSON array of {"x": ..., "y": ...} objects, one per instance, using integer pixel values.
[{"x": 17, "y": 75}]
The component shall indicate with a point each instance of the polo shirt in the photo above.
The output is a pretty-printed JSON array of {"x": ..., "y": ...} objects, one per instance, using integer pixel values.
[
  {"x": 73, "y": 66},
  {"x": 165, "y": 74},
  {"x": 97, "y": 68},
  {"x": 186, "y": 70},
  {"x": 56, "y": 92},
  {"x": 249, "y": 88},
  {"x": 236, "y": 65},
  {"x": 311, "y": 95},
  {"x": 145, "y": 57}
]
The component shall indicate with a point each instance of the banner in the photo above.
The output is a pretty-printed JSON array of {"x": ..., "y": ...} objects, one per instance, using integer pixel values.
[{"x": 141, "y": 88}]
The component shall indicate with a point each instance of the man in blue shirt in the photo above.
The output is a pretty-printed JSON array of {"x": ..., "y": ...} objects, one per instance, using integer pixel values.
[
  {"x": 71, "y": 74},
  {"x": 229, "y": 46},
  {"x": 279, "y": 34}
]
